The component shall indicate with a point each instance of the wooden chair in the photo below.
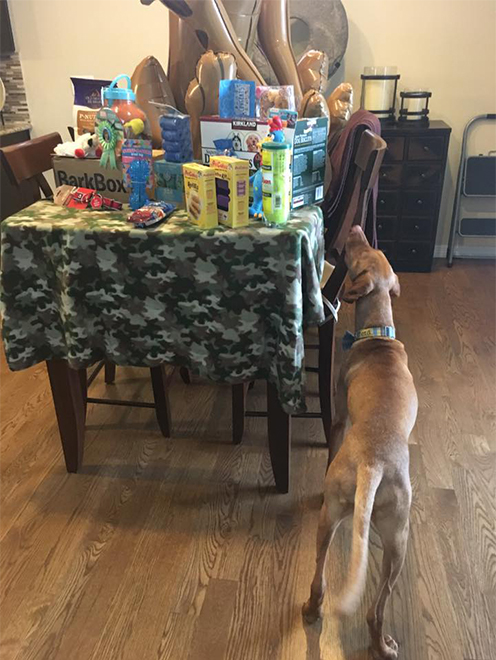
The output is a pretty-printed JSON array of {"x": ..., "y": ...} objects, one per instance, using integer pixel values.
[
  {"x": 25, "y": 164},
  {"x": 368, "y": 152}
]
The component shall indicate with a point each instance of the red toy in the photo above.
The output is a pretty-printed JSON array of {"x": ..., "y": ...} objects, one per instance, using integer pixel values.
[{"x": 83, "y": 198}]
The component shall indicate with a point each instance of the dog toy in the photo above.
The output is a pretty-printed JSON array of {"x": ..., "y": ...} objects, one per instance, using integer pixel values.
[
  {"x": 85, "y": 146},
  {"x": 138, "y": 173},
  {"x": 135, "y": 127},
  {"x": 276, "y": 128}
]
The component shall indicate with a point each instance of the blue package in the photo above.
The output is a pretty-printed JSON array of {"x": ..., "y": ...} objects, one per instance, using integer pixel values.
[
  {"x": 236, "y": 99},
  {"x": 176, "y": 137}
]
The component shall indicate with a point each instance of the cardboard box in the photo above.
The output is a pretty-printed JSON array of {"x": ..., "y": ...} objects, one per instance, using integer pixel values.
[
  {"x": 245, "y": 134},
  {"x": 87, "y": 173},
  {"x": 199, "y": 192},
  {"x": 309, "y": 161},
  {"x": 169, "y": 182},
  {"x": 232, "y": 189}
]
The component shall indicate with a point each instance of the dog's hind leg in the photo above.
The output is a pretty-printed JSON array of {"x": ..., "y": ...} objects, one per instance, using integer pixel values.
[
  {"x": 331, "y": 515},
  {"x": 393, "y": 530}
]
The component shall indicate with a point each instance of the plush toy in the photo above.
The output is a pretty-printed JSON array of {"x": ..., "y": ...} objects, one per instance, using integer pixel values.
[{"x": 85, "y": 146}]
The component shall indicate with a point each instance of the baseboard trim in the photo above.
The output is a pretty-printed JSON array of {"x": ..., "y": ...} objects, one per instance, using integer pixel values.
[{"x": 467, "y": 251}]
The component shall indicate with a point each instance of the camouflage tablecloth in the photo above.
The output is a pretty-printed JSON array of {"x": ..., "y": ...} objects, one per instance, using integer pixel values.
[{"x": 228, "y": 304}]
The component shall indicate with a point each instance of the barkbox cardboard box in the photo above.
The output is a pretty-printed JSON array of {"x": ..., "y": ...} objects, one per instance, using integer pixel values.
[{"x": 88, "y": 173}]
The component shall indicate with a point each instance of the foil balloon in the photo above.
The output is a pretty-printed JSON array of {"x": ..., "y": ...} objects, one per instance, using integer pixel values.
[
  {"x": 150, "y": 83},
  {"x": 312, "y": 69},
  {"x": 244, "y": 15},
  {"x": 340, "y": 104},
  {"x": 313, "y": 104},
  {"x": 211, "y": 24},
  {"x": 275, "y": 40},
  {"x": 202, "y": 96},
  {"x": 184, "y": 52}
]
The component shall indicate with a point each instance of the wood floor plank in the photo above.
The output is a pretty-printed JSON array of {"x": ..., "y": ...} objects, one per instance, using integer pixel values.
[{"x": 181, "y": 548}]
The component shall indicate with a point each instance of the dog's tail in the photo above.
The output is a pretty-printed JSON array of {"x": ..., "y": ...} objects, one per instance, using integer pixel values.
[{"x": 368, "y": 481}]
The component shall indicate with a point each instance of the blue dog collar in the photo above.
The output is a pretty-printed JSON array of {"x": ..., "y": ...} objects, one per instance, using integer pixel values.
[{"x": 349, "y": 338}]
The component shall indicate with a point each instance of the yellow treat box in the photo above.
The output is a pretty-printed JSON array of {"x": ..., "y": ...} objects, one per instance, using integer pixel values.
[
  {"x": 199, "y": 193},
  {"x": 232, "y": 186}
]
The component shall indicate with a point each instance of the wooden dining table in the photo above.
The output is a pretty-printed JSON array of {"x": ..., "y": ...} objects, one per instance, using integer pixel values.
[{"x": 231, "y": 305}]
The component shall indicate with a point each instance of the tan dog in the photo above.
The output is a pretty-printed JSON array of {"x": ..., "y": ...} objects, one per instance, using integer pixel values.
[{"x": 376, "y": 408}]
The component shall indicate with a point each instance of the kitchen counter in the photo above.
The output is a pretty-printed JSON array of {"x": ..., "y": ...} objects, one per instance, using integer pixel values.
[{"x": 14, "y": 127}]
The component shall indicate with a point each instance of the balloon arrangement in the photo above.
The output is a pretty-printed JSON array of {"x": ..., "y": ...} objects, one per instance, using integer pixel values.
[{"x": 211, "y": 40}]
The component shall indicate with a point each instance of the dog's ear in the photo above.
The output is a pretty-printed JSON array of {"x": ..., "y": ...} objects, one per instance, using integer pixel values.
[
  {"x": 361, "y": 286},
  {"x": 395, "y": 290}
]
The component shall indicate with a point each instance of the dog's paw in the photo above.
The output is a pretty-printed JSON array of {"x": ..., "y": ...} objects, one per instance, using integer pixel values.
[
  {"x": 387, "y": 651},
  {"x": 311, "y": 614}
]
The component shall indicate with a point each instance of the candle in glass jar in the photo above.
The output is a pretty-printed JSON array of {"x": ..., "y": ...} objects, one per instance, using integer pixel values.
[
  {"x": 378, "y": 96},
  {"x": 414, "y": 105}
]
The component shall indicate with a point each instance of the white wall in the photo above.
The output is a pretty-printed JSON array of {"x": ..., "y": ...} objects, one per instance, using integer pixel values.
[
  {"x": 60, "y": 38},
  {"x": 446, "y": 45}
]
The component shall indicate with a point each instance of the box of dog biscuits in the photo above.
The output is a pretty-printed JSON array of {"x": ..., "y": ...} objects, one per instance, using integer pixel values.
[{"x": 200, "y": 195}]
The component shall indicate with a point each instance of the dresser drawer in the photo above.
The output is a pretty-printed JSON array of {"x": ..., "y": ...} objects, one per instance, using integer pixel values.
[
  {"x": 395, "y": 149},
  {"x": 390, "y": 176},
  {"x": 389, "y": 249},
  {"x": 423, "y": 175},
  {"x": 413, "y": 251},
  {"x": 425, "y": 148},
  {"x": 419, "y": 203},
  {"x": 416, "y": 228},
  {"x": 386, "y": 228},
  {"x": 387, "y": 203}
]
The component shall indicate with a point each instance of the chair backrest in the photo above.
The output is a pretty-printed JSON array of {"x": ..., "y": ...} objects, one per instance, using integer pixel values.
[
  {"x": 352, "y": 210},
  {"x": 25, "y": 163}
]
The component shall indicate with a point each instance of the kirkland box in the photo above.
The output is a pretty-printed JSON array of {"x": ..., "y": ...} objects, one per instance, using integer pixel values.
[{"x": 244, "y": 133}]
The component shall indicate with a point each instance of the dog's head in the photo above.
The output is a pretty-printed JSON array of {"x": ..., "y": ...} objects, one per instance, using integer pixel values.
[{"x": 369, "y": 270}]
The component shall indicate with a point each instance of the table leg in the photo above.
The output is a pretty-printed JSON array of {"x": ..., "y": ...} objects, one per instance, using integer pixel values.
[
  {"x": 326, "y": 361},
  {"x": 279, "y": 431},
  {"x": 70, "y": 408},
  {"x": 109, "y": 373},
  {"x": 161, "y": 398},
  {"x": 238, "y": 398}
]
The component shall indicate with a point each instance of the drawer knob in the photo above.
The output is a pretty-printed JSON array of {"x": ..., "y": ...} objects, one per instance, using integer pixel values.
[
  {"x": 426, "y": 148},
  {"x": 379, "y": 226},
  {"x": 423, "y": 175},
  {"x": 413, "y": 251},
  {"x": 416, "y": 227},
  {"x": 382, "y": 202},
  {"x": 419, "y": 202},
  {"x": 384, "y": 175}
]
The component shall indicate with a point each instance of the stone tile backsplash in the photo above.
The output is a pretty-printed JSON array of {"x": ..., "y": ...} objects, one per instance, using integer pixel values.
[{"x": 16, "y": 106}]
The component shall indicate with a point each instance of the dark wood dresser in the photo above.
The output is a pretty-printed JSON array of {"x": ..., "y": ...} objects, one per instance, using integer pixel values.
[{"x": 410, "y": 189}]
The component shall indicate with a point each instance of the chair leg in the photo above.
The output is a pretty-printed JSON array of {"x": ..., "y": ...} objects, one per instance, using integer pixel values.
[
  {"x": 185, "y": 377},
  {"x": 326, "y": 362},
  {"x": 161, "y": 398},
  {"x": 238, "y": 398},
  {"x": 279, "y": 431},
  {"x": 109, "y": 373},
  {"x": 70, "y": 407}
]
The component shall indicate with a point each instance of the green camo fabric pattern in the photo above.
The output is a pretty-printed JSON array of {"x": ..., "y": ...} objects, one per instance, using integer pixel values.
[{"x": 228, "y": 304}]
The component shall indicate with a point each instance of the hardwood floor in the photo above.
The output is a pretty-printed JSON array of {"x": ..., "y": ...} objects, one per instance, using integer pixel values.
[{"x": 181, "y": 549}]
